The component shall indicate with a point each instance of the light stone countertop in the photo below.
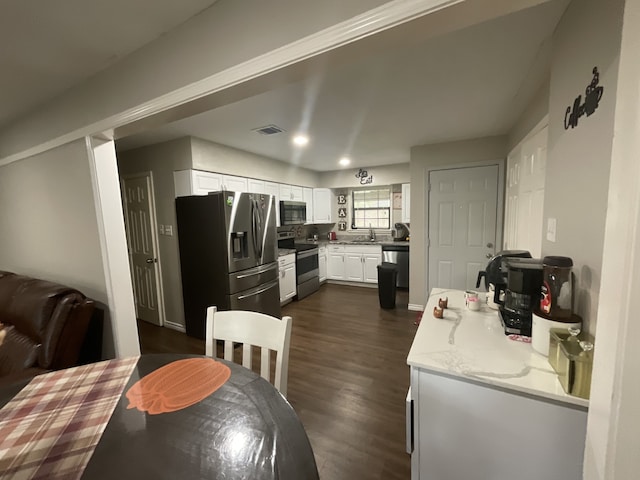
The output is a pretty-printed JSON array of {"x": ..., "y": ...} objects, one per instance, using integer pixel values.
[{"x": 472, "y": 345}]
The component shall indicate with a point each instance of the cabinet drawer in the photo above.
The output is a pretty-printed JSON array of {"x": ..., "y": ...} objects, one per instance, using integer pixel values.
[
  {"x": 286, "y": 260},
  {"x": 363, "y": 249},
  {"x": 336, "y": 248}
]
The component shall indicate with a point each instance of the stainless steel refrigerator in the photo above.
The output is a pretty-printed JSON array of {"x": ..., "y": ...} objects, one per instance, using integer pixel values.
[{"x": 228, "y": 255}]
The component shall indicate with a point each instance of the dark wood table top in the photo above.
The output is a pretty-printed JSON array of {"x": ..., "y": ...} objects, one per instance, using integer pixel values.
[{"x": 244, "y": 430}]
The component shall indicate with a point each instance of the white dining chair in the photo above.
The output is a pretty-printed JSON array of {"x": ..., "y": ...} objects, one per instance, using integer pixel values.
[{"x": 252, "y": 329}]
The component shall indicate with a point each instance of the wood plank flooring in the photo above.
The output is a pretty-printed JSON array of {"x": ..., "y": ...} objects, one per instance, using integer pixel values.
[{"x": 348, "y": 378}]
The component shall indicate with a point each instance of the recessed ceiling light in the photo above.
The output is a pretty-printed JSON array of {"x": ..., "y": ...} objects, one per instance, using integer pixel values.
[
  {"x": 300, "y": 140},
  {"x": 344, "y": 161}
]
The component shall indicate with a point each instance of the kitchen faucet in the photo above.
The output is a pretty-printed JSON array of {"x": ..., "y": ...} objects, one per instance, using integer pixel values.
[{"x": 372, "y": 234}]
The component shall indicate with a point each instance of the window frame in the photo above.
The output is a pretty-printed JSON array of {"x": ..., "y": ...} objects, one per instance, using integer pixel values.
[{"x": 352, "y": 209}]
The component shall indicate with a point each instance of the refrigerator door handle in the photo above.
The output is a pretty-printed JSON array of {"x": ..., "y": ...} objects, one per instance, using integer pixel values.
[
  {"x": 254, "y": 230},
  {"x": 258, "y": 292},
  {"x": 257, "y": 271}
]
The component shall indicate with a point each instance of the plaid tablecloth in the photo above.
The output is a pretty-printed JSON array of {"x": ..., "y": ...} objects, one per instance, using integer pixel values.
[{"x": 52, "y": 426}]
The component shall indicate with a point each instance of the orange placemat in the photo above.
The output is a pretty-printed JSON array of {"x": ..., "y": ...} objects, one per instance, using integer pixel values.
[{"x": 177, "y": 385}]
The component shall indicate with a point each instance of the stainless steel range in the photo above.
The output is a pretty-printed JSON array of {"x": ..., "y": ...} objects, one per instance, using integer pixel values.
[{"x": 307, "y": 273}]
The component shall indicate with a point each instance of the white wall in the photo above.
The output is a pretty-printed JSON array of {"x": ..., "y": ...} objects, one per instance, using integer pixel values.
[
  {"x": 579, "y": 159},
  {"x": 48, "y": 223},
  {"x": 423, "y": 159},
  {"x": 214, "y": 157}
]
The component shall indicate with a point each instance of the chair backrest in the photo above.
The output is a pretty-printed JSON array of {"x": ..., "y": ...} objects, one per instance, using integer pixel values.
[{"x": 252, "y": 329}]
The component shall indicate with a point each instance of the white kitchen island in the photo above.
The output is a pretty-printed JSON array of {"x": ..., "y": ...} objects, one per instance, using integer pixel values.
[{"x": 485, "y": 407}]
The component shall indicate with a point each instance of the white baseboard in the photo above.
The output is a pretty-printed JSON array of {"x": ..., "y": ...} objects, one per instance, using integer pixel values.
[
  {"x": 175, "y": 326},
  {"x": 353, "y": 284},
  {"x": 415, "y": 307}
]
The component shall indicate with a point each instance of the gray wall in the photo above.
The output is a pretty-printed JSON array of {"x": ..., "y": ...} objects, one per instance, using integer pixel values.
[
  {"x": 48, "y": 223},
  {"x": 423, "y": 159},
  {"x": 161, "y": 160},
  {"x": 214, "y": 157},
  {"x": 382, "y": 175},
  {"x": 532, "y": 116},
  {"x": 579, "y": 159}
]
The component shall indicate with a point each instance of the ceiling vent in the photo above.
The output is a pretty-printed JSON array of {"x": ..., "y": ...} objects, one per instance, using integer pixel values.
[{"x": 268, "y": 130}]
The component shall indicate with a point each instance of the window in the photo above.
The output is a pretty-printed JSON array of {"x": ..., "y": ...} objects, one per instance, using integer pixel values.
[{"x": 371, "y": 208}]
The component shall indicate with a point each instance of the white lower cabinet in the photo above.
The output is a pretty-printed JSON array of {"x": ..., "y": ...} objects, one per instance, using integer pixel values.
[
  {"x": 353, "y": 263},
  {"x": 287, "y": 266},
  {"x": 322, "y": 263}
]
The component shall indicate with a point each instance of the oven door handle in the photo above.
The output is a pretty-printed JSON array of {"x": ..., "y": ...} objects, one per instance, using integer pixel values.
[{"x": 308, "y": 253}]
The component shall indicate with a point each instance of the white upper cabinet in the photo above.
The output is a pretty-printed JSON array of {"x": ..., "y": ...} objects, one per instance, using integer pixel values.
[
  {"x": 272, "y": 188},
  {"x": 297, "y": 194},
  {"x": 196, "y": 182},
  {"x": 291, "y": 193},
  {"x": 255, "y": 186},
  {"x": 234, "y": 184},
  {"x": 307, "y": 194},
  {"x": 322, "y": 205},
  {"x": 285, "y": 192},
  {"x": 406, "y": 203}
]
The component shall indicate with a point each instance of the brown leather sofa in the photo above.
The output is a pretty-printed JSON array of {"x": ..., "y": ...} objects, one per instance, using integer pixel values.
[{"x": 45, "y": 325}]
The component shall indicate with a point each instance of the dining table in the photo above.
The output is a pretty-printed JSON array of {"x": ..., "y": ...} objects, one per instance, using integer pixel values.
[{"x": 160, "y": 416}]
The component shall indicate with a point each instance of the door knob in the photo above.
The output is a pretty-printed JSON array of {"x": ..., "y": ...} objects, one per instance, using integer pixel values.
[
  {"x": 489, "y": 245},
  {"x": 150, "y": 260}
]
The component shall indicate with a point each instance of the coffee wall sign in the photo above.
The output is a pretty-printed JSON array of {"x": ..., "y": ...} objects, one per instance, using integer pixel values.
[
  {"x": 363, "y": 177},
  {"x": 592, "y": 95}
]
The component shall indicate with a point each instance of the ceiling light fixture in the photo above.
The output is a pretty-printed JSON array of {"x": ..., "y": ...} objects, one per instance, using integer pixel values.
[
  {"x": 344, "y": 161},
  {"x": 300, "y": 140}
]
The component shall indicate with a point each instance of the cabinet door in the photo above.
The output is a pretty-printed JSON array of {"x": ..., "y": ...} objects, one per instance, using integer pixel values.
[
  {"x": 234, "y": 184},
  {"x": 322, "y": 198},
  {"x": 297, "y": 194},
  {"x": 371, "y": 262},
  {"x": 285, "y": 192},
  {"x": 353, "y": 267},
  {"x": 322, "y": 266},
  {"x": 406, "y": 202},
  {"x": 335, "y": 266},
  {"x": 255, "y": 186},
  {"x": 196, "y": 182},
  {"x": 271, "y": 188},
  {"x": 289, "y": 280},
  {"x": 307, "y": 193}
]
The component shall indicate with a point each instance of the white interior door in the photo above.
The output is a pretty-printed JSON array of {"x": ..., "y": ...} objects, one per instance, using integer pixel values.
[
  {"x": 142, "y": 242},
  {"x": 463, "y": 206}
]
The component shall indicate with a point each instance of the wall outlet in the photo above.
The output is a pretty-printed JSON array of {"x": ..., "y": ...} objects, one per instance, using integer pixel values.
[
  {"x": 168, "y": 230},
  {"x": 551, "y": 229},
  {"x": 161, "y": 229}
]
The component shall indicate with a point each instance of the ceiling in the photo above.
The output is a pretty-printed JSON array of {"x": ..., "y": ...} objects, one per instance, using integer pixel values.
[
  {"x": 50, "y": 46},
  {"x": 471, "y": 83}
]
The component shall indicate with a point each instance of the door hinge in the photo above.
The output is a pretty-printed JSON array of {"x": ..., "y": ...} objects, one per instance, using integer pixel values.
[
  {"x": 429, "y": 187},
  {"x": 428, "y": 242}
]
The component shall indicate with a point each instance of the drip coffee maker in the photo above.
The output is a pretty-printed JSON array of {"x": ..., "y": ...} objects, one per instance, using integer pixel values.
[{"x": 522, "y": 295}]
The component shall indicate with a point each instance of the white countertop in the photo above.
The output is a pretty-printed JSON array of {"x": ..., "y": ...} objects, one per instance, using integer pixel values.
[{"x": 472, "y": 345}]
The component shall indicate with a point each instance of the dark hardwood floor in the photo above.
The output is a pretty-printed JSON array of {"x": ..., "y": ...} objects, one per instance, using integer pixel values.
[{"x": 348, "y": 378}]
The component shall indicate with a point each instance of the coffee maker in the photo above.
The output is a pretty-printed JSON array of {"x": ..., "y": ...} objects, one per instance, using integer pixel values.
[
  {"x": 521, "y": 295},
  {"x": 495, "y": 274},
  {"x": 401, "y": 232}
]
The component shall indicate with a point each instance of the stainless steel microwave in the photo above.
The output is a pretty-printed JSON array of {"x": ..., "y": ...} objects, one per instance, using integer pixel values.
[{"x": 293, "y": 213}]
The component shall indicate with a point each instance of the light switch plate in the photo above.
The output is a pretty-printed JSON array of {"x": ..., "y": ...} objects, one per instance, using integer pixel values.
[
  {"x": 168, "y": 230},
  {"x": 161, "y": 229},
  {"x": 551, "y": 229}
]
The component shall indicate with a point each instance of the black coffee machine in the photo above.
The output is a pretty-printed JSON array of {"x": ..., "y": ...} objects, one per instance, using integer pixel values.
[
  {"x": 496, "y": 272},
  {"x": 521, "y": 294}
]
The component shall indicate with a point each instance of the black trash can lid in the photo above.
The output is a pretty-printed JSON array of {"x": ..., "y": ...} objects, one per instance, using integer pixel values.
[{"x": 387, "y": 266}]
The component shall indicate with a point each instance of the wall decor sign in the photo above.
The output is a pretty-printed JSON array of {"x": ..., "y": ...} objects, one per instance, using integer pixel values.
[
  {"x": 342, "y": 226},
  {"x": 363, "y": 177},
  {"x": 342, "y": 199},
  {"x": 342, "y": 212},
  {"x": 592, "y": 95}
]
